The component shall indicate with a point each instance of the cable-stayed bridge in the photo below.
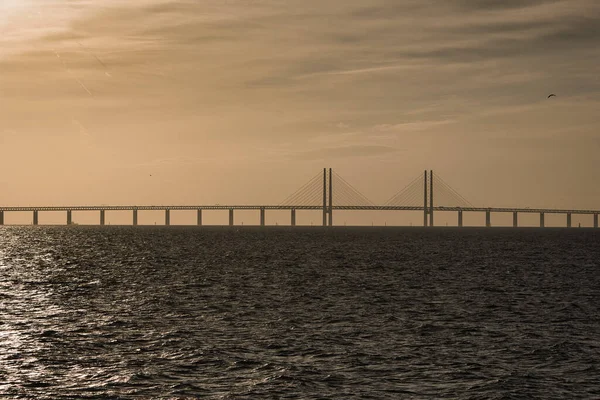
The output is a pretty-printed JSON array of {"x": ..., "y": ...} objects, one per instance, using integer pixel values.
[{"x": 329, "y": 192}]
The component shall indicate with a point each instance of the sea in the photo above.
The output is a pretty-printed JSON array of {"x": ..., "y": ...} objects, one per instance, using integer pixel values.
[{"x": 299, "y": 313}]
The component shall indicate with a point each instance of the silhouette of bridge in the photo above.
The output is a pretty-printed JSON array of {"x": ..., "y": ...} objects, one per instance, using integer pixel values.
[{"x": 329, "y": 192}]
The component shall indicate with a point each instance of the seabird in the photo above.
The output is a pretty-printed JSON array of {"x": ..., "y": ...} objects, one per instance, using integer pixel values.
[{"x": 551, "y": 95}]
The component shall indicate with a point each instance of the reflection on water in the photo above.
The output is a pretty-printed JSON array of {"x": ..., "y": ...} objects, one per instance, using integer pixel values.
[{"x": 94, "y": 312}]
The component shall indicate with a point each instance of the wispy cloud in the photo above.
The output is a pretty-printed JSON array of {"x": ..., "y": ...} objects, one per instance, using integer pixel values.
[
  {"x": 412, "y": 126},
  {"x": 346, "y": 151}
]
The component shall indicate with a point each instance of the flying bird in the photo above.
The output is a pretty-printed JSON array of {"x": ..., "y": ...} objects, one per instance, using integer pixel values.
[{"x": 551, "y": 95}]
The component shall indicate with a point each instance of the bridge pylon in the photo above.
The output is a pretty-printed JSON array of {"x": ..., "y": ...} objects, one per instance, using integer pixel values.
[
  {"x": 327, "y": 197},
  {"x": 430, "y": 197},
  {"x": 318, "y": 194},
  {"x": 430, "y": 193},
  {"x": 425, "y": 211},
  {"x": 330, "y": 197},
  {"x": 324, "y": 196}
]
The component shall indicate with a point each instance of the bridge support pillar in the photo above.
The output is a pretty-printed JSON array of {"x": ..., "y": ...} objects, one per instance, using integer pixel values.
[
  {"x": 69, "y": 217},
  {"x": 262, "y": 217},
  {"x": 199, "y": 217},
  {"x": 568, "y": 220},
  {"x": 488, "y": 218},
  {"x": 595, "y": 220},
  {"x": 430, "y": 197},
  {"x": 324, "y": 196},
  {"x": 102, "y": 217},
  {"x": 1, "y": 217},
  {"x": 542, "y": 224},
  {"x": 35, "y": 217},
  {"x": 293, "y": 217},
  {"x": 425, "y": 198},
  {"x": 460, "y": 218},
  {"x": 135, "y": 219},
  {"x": 330, "y": 197},
  {"x": 231, "y": 217},
  {"x": 167, "y": 217},
  {"x": 515, "y": 219}
]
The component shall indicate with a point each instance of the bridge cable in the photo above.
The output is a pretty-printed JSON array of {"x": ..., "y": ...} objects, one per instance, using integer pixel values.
[
  {"x": 353, "y": 194},
  {"x": 302, "y": 190},
  {"x": 310, "y": 197},
  {"x": 452, "y": 192},
  {"x": 406, "y": 195},
  {"x": 409, "y": 194}
]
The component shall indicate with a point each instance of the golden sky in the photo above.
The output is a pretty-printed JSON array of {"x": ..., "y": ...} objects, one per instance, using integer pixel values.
[{"x": 242, "y": 101}]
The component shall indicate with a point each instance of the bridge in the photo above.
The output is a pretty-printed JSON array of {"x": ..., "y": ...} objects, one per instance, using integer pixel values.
[{"x": 329, "y": 192}]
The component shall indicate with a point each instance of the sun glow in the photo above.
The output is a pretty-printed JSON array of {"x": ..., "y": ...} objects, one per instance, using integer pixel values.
[
  {"x": 13, "y": 12},
  {"x": 23, "y": 21},
  {"x": 9, "y": 6}
]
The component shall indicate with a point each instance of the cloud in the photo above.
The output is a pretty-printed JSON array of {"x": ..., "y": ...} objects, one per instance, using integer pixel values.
[
  {"x": 263, "y": 73},
  {"x": 342, "y": 125},
  {"x": 413, "y": 126},
  {"x": 81, "y": 128},
  {"x": 346, "y": 151},
  {"x": 492, "y": 5}
]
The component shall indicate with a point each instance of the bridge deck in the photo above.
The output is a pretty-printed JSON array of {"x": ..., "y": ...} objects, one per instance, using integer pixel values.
[{"x": 299, "y": 207}]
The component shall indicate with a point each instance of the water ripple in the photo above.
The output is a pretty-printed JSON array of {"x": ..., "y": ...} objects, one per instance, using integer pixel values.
[{"x": 119, "y": 312}]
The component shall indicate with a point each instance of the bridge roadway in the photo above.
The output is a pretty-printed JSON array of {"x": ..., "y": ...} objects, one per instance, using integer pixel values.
[
  {"x": 428, "y": 211},
  {"x": 303, "y": 207}
]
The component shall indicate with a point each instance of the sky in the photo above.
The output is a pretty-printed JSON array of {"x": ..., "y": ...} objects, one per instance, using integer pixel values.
[{"x": 243, "y": 101}]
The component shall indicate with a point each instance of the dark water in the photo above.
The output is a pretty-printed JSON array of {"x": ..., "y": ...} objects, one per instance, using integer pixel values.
[{"x": 147, "y": 312}]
